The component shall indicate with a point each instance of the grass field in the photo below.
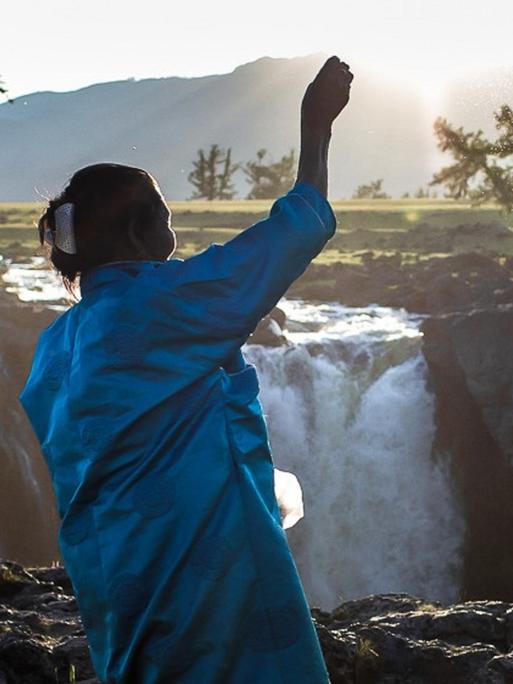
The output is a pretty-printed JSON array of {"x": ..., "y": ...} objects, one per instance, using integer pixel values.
[{"x": 383, "y": 226}]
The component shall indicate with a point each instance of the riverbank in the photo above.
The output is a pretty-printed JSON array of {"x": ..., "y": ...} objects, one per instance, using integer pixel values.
[{"x": 433, "y": 285}]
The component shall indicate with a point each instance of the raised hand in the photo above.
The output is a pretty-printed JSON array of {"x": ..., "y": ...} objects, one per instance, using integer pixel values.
[{"x": 327, "y": 95}]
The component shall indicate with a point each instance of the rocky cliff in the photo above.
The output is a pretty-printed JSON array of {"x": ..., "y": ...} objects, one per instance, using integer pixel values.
[
  {"x": 471, "y": 372},
  {"x": 20, "y": 509}
]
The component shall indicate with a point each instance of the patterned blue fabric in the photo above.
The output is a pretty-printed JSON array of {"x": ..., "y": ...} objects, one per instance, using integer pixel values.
[{"x": 149, "y": 420}]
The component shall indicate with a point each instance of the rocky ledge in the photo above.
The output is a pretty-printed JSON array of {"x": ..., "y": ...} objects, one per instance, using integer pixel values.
[
  {"x": 381, "y": 638},
  {"x": 434, "y": 285}
]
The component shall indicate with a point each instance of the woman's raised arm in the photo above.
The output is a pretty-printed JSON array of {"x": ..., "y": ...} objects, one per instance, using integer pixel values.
[{"x": 325, "y": 97}]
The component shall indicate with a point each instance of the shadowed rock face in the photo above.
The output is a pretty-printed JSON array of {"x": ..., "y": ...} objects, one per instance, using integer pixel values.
[
  {"x": 471, "y": 372},
  {"x": 22, "y": 463},
  {"x": 380, "y": 638}
]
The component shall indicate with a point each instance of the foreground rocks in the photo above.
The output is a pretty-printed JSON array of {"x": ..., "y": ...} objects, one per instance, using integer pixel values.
[
  {"x": 393, "y": 638},
  {"x": 381, "y": 639},
  {"x": 41, "y": 636}
]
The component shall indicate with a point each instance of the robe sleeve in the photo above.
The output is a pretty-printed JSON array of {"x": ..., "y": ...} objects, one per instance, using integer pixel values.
[{"x": 231, "y": 287}]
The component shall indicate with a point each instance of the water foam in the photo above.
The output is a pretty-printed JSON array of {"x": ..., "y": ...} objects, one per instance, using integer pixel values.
[{"x": 356, "y": 426}]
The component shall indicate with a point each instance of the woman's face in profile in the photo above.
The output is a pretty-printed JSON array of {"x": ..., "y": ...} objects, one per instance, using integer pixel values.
[
  {"x": 162, "y": 241},
  {"x": 156, "y": 242}
]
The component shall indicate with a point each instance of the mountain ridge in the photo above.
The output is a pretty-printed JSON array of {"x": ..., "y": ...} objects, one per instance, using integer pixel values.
[{"x": 160, "y": 123}]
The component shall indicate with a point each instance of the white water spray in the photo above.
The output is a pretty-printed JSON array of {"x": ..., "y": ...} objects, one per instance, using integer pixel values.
[{"x": 350, "y": 414}]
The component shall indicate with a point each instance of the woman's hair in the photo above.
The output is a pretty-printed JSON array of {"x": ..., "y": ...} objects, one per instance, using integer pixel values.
[{"x": 107, "y": 199}]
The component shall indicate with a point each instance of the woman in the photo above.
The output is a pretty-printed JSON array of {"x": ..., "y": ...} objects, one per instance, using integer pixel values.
[{"x": 149, "y": 420}]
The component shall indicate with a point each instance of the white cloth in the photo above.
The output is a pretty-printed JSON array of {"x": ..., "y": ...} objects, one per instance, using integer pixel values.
[{"x": 289, "y": 496}]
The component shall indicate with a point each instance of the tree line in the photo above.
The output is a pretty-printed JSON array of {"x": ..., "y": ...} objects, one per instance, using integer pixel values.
[
  {"x": 212, "y": 177},
  {"x": 374, "y": 190},
  {"x": 482, "y": 170},
  {"x": 212, "y": 174}
]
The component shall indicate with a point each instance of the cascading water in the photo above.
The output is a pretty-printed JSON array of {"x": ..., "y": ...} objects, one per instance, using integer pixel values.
[
  {"x": 349, "y": 412},
  {"x": 32, "y": 281}
]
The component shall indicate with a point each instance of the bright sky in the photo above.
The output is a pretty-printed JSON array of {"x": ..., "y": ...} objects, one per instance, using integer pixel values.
[{"x": 67, "y": 44}]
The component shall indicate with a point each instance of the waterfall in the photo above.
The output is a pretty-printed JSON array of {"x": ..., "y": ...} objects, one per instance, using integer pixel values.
[{"x": 349, "y": 412}]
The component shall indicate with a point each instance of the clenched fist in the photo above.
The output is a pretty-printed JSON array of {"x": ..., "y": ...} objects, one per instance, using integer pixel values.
[{"x": 327, "y": 95}]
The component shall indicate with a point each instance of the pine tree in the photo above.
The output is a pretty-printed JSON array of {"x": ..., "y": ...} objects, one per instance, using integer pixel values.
[
  {"x": 270, "y": 180},
  {"x": 421, "y": 193},
  {"x": 198, "y": 177},
  {"x": 225, "y": 188},
  {"x": 482, "y": 170},
  {"x": 372, "y": 190},
  {"x": 214, "y": 158},
  {"x": 285, "y": 172},
  {"x": 256, "y": 173},
  {"x": 208, "y": 182}
]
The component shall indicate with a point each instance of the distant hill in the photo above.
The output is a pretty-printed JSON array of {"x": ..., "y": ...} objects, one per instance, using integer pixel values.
[{"x": 160, "y": 124}]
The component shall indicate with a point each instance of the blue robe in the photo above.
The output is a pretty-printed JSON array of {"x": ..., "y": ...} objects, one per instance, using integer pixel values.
[{"x": 149, "y": 420}]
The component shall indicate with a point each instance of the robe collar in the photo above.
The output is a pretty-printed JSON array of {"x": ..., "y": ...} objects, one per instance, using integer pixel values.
[
  {"x": 106, "y": 274},
  {"x": 99, "y": 276}
]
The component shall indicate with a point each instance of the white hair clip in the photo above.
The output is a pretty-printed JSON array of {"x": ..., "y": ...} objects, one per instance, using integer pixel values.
[{"x": 64, "y": 237}]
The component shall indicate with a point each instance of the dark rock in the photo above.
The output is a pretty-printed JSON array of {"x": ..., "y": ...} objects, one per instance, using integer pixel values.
[
  {"x": 363, "y": 609},
  {"x": 471, "y": 372},
  {"x": 56, "y": 575},
  {"x": 340, "y": 648},
  {"x": 503, "y": 665},
  {"x": 279, "y": 316},
  {"x": 25, "y": 659},
  {"x": 41, "y": 635},
  {"x": 268, "y": 333},
  {"x": 483, "y": 341},
  {"x": 74, "y": 652},
  {"x": 504, "y": 295},
  {"x": 486, "y": 231},
  {"x": 401, "y": 638},
  {"x": 445, "y": 289},
  {"x": 460, "y": 282}
]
